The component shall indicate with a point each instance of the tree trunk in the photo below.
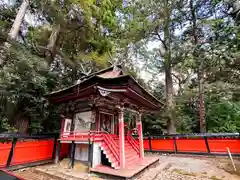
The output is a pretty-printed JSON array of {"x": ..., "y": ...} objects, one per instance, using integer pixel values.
[
  {"x": 18, "y": 20},
  {"x": 170, "y": 100},
  {"x": 52, "y": 42},
  {"x": 199, "y": 69},
  {"x": 201, "y": 102},
  {"x": 14, "y": 30},
  {"x": 171, "y": 128}
]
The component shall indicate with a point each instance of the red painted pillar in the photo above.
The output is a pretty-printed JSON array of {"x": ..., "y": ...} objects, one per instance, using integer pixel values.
[
  {"x": 121, "y": 138},
  {"x": 140, "y": 135}
]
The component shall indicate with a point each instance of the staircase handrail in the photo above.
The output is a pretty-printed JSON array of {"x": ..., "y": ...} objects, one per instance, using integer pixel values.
[
  {"x": 86, "y": 134},
  {"x": 132, "y": 141},
  {"x": 111, "y": 144}
]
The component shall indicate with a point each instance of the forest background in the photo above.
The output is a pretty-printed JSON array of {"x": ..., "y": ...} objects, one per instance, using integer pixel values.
[{"x": 185, "y": 52}]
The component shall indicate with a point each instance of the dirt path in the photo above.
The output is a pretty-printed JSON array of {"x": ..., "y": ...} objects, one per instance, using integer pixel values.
[
  {"x": 193, "y": 168},
  {"x": 172, "y": 168},
  {"x": 30, "y": 174}
]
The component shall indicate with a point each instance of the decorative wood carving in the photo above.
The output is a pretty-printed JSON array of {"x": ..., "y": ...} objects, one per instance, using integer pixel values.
[{"x": 103, "y": 93}]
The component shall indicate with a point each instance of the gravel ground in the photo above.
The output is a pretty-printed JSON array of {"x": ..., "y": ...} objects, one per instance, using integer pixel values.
[
  {"x": 172, "y": 168},
  {"x": 193, "y": 168},
  {"x": 30, "y": 174}
]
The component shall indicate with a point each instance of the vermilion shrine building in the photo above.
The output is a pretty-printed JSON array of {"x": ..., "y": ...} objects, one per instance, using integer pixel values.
[{"x": 93, "y": 120}]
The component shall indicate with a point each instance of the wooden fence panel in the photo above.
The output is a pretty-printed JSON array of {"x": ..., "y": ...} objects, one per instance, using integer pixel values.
[
  {"x": 191, "y": 145},
  {"x": 4, "y": 152},
  {"x": 199, "y": 145},
  {"x": 162, "y": 145},
  {"x": 220, "y": 145},
  {"x": 32, "y": 151},
  {"x": 146, "y": 144}
]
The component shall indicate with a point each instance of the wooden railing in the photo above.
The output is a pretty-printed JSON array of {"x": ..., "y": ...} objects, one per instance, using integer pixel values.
[
  {"x": 133, "y": 142},
  {"x": 82, "y": 135},
  {"x": 93, "y": 136},
  {"x": 109, "y": 141}
]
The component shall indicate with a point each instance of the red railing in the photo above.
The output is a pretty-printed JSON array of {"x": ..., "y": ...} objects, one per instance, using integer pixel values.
[
  {"x": 82, "y": 135},
  {"x": 132, "y": 141},
  {"x": 109, "y": 141},
  {"x": 93, "y": 136}
]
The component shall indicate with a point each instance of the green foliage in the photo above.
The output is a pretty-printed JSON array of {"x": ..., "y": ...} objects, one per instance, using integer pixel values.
[
  {"x": 27, "y": 79},
  {"x": 223, "y": 116},
  {"x": 137, "y": 34},
  {"x": 5, "y": 126},
  {"x": 223, "y": 113}
]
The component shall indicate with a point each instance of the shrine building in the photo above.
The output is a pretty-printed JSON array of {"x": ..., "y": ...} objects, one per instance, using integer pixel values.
[{"x": 93, "y": 122}]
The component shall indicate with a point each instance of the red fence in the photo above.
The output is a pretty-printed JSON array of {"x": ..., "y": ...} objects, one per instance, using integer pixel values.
[
  {"x": 23, "y": 152},
  {"x": 29, "y": 152},
  {"x": 4, "y": 152},
  {"x": 20, "y": 150},
  {"x": 210, "y": 144}
]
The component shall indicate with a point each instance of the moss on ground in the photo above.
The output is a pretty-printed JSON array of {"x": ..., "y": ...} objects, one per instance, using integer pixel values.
[
  {"x": 215, "y": 178},
  {"x": 180, "y": 171}
]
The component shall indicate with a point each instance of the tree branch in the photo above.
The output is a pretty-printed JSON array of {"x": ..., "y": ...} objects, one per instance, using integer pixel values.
[
  {"x": 179, "y": 80},
  {"x": 160, "y": 39}
]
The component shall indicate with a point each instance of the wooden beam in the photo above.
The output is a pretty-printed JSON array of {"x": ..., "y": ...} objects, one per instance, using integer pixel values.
[
  {"x": 86, "y": 91},
  {"x": 111, "y": 89},
  {"x": 132, "y": 110},
  {"x": 154, "y": 105}
]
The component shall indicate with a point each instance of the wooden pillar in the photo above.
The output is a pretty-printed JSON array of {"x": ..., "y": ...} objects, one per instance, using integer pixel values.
[
  {"x": 54, "y": 147},
  {"x": 140, "y": 135},
  {"x": 72, "y": 155},
  {"x": 121, "y": 138},
  {"x": 58, "y": 152},
  {"x": 89, "y": 153}
]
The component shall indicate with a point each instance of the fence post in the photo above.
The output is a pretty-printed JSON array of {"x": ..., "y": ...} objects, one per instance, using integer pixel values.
[
  {"x": 175, "y": 145},
  {"x": 207, "y": 145},
  {"x": 11, "y": 153},
  {"x": 150, "y": 143}
]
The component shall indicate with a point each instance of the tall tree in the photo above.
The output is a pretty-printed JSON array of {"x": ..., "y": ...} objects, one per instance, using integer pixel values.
[
  {"x": 157, "y": 22},
  {"x": 195, "y": 34},
  {"x": 74, "y": 41},
  {"x": 18, "y": 20},
  {"x": 14, "y": 31}
]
